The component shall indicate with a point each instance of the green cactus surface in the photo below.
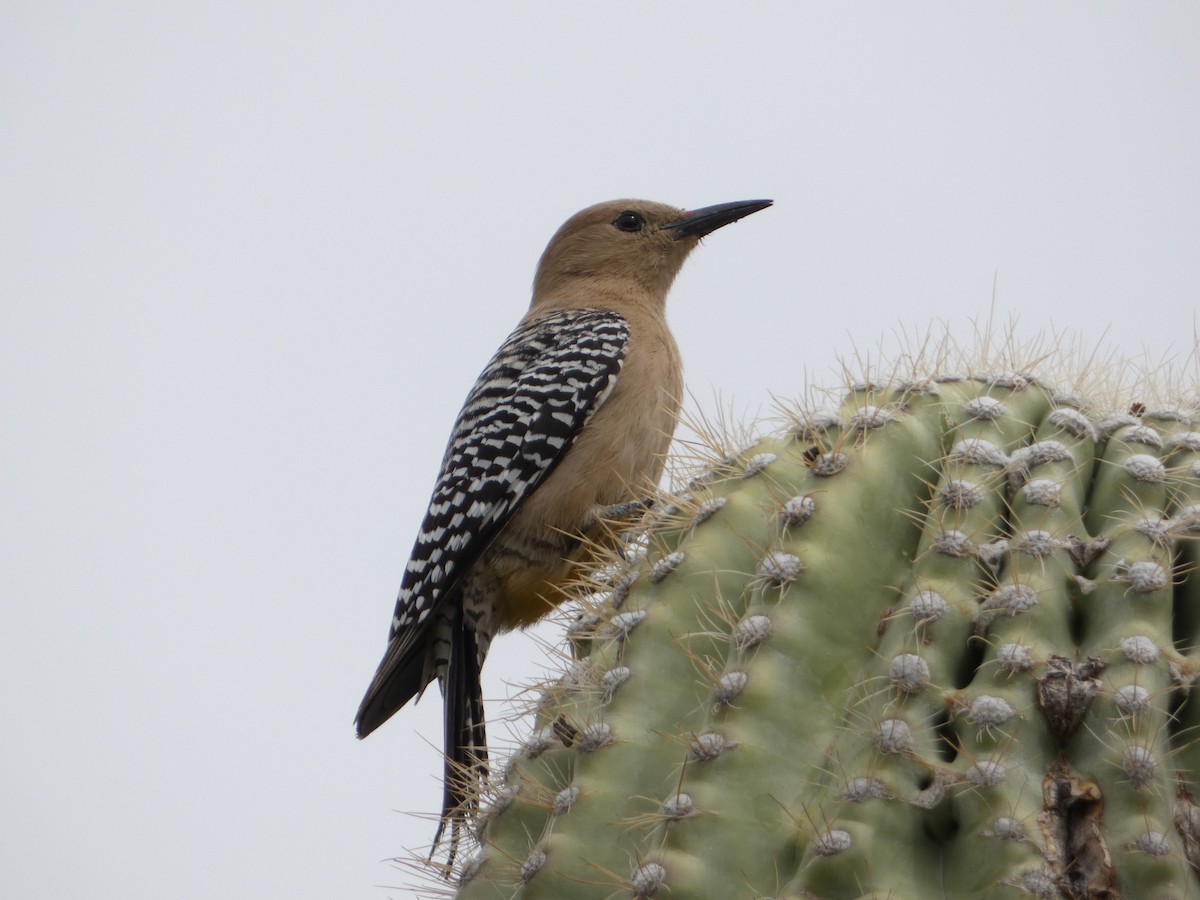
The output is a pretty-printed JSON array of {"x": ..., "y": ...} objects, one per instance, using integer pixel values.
[{"x": 936, "y": 642}]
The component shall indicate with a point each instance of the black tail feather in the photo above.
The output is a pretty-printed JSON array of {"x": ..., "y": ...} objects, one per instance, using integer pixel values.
[
  {"x": 466, "y": 736},
  {"x": 385, "y": 696}
]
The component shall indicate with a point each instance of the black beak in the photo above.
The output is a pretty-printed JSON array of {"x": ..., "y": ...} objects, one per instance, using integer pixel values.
[{"x": 699, "y": 222}]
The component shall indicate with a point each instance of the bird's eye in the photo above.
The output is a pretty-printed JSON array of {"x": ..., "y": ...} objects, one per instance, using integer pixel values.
[{"x": 629, "y": 221}]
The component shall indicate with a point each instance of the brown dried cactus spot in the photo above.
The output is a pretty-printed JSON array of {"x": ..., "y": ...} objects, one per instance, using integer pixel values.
[
  {"x": 1066, "y": 691},
  {"x": 1187, "y": 823},
  {"x": 565, "y": 731},
  {"x": 1084, "y": 553},
  {"x": 1074, "y": 843}
]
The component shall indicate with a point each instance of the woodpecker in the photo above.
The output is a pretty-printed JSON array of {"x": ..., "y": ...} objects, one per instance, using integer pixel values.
[{"x": 572, "y": 416}]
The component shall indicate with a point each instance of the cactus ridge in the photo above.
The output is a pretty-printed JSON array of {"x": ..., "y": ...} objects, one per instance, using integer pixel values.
[{"x": 936, "y": 641}]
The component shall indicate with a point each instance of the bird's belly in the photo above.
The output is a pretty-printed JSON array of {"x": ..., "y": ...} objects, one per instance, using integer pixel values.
[{"x": 528, "y": 588}]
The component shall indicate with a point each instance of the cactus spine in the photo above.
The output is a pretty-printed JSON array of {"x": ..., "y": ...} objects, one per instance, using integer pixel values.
[{"x": 934, "y": 643}]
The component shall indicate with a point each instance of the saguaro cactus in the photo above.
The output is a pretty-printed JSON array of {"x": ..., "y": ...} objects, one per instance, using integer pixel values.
[{"x": 937, "y": 642}]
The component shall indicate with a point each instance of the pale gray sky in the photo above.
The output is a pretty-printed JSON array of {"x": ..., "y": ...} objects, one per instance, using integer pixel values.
[{"x": 252, "y": 255}]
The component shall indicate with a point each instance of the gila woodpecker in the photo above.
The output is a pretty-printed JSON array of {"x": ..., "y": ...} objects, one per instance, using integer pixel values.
[{"x": 572, "y": 416}]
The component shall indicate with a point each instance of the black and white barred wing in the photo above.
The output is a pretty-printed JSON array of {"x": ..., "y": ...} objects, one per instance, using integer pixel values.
[{"x": 534, "y": 397}]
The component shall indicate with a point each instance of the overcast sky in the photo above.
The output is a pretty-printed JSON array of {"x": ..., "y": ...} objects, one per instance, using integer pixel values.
[{"x": 252, "y": 256}]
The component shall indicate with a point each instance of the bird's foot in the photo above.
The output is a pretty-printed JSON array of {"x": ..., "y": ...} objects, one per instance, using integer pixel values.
[{"x": 624, "y": 510}]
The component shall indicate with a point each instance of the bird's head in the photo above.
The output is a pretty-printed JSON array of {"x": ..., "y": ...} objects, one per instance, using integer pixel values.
[{"x": 627, "y": 244}]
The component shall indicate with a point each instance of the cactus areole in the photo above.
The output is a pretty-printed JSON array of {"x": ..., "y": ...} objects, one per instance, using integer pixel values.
[{"x": 937, "y": 642}]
